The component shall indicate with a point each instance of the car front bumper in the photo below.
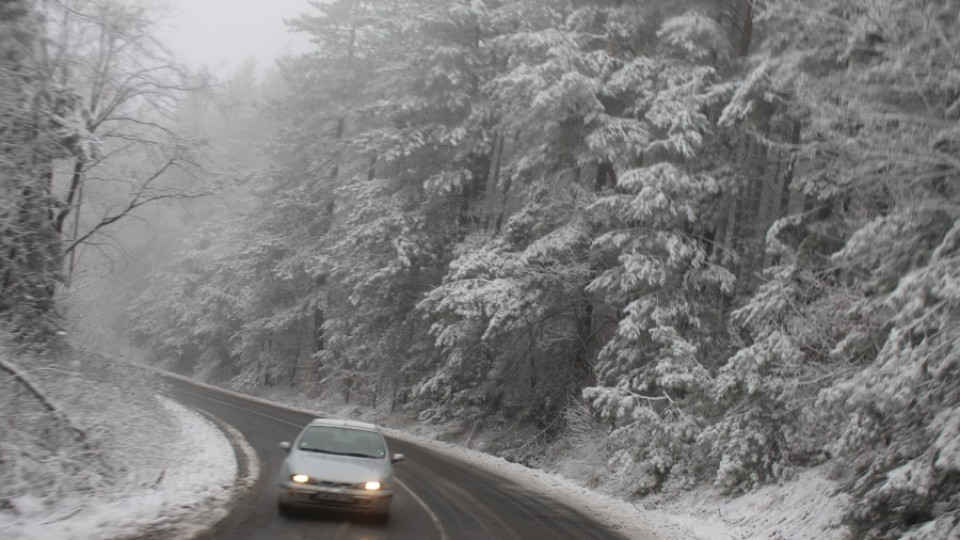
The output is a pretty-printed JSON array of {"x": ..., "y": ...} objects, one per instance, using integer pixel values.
[{"x": 306, "y": 495}]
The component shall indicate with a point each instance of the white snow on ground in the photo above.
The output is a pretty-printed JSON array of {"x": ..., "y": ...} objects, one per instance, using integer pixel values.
[
  {"x": 803, "y": 508},
  {"x": 619, "y": 515},
  {"x": 184, "y": 485}
]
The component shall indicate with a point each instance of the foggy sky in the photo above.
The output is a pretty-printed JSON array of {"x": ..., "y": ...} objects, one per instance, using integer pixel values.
[{"x": 223, "y": 33}]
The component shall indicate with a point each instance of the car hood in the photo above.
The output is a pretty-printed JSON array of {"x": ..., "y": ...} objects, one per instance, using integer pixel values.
[{"x": 334, "y": 468}]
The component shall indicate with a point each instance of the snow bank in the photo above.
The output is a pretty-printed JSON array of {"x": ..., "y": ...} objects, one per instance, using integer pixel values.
[
  {"x": 621, "y": 516},
  {"x": 185, "y": 478},
  {"x": 807, "y": 507}
]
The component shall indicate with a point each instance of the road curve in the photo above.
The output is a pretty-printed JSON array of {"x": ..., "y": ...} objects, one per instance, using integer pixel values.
[{"x": 439, "y": 498}]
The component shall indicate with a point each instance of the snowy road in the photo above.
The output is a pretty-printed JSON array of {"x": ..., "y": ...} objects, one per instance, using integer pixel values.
[{"x": 440, "y": 498}]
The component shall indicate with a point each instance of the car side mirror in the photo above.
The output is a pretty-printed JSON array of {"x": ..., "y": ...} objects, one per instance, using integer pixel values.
[
  {"x": 285, "y": 445},
  {"x": 398, "y": 457}
]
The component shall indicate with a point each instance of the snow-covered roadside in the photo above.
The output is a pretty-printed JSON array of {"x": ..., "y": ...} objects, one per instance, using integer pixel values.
[
  {"x": 803, "y": 508},
  {"x": 187, "y": 479},
  {"x": 806, "y": 508},
  {"x": 619, "y": 515}
]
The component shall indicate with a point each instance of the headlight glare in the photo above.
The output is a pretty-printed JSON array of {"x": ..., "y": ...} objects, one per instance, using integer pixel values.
[
  {"x": 371, "y": 486},
  {"x": 300, "y": 478}
]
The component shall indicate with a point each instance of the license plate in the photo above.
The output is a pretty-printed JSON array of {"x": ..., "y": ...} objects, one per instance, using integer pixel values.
[{"x": 339, "y": 497}]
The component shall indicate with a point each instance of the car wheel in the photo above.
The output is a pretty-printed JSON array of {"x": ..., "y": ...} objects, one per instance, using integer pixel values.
[
  {"x": 285, "y": 509},
  {"x": 382, "y": 518}
]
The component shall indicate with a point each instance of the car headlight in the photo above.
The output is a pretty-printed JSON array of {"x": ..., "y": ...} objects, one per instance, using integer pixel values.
[
  {"x": 300, "y": 478},
  {"x": 371, "y": 486}
]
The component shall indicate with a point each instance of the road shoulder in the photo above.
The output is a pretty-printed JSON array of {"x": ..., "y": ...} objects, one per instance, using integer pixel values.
[
  {"x": 201, "y": 518},
  {"x": 185, "y": 484},
  {"x": 807, "y": 507},
  {"x": 619, "y": 515}
]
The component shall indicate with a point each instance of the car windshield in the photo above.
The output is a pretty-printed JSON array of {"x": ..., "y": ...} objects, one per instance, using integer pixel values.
[{"x": 342, "y": 441}]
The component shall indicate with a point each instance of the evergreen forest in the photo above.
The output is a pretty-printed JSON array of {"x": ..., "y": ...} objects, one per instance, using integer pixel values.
[{"x": 719, "y": 240}]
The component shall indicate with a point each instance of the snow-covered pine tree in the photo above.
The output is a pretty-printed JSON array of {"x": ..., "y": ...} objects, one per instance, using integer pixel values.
[
  {"x": 410, "y": 158},
  {"x": 859, "y": 340},
  {"x": 655, "y": 373},
  {"x": 191, "y": 314},
  {"x": 512, "y": 322}
]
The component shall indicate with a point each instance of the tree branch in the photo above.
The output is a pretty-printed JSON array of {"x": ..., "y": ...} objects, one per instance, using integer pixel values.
[
  {"x": 79, "y": 435},
  {"x": 138, "y": 200}
]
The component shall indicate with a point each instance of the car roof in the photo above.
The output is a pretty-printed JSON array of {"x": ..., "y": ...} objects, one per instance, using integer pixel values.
[{"x": 337, "y": 422}]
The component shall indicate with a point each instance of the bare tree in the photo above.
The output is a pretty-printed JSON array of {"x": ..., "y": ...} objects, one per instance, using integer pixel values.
[{"x": 125, "y": 89}]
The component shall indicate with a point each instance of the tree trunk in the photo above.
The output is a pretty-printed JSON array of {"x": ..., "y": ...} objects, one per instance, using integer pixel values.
[
  {"x": 606, "y": 177},
  {"x": 755, "y": 226},
  {"x": 74, "y": 194},
  {"x": 490, "y": 204},
  {"x": 746, "y": 28},
  {"x": 791, "y": 169},
  {"x": 41, "y": 398},
  {"x": 715, "y": 248},
  {"x": 582, "y": 372}
]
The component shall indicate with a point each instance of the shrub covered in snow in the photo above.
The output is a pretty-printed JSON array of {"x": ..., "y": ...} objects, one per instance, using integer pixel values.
[
  {"x": 901, "y": 432},
  {"x": 65, "y": 420}
]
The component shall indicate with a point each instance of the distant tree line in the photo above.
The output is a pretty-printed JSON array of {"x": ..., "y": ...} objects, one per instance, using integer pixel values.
[{"x": 729, "y": 228}]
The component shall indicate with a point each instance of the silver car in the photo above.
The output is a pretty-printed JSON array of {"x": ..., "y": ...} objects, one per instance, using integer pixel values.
[{"x": 338, "y": 464}]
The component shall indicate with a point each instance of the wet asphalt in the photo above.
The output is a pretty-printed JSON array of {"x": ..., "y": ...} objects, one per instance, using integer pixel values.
[{"x": 438, "y": 498}]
